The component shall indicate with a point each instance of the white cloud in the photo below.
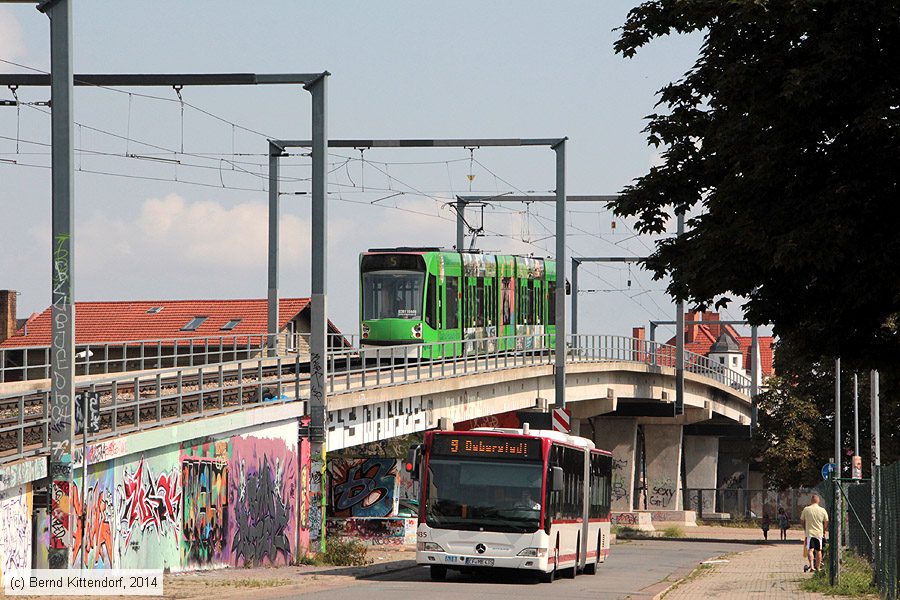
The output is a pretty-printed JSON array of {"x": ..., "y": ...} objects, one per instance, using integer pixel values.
[{"x": 12, "y": 42}]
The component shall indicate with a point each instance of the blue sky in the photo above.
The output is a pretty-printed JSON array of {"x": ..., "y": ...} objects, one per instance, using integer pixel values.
[{"x": 399, "y": 69}]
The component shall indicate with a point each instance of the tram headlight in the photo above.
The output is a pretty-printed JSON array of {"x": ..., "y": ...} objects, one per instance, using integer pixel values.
[
  {"x": 536, "y": 552},
  {"x": 365, "y": 330},
  {"x": 417, "y": 330},
  {"x": 429, "y": 547}
]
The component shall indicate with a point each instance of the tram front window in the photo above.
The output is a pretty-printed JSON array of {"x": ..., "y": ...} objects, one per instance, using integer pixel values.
[
  {"x": 393, "y": 294},
  {"x": 484, "y": 495}
]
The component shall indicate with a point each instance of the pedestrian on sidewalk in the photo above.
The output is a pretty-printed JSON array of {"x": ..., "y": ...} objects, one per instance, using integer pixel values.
[
  {"x": 783, "y": 522},
  {"x": 765, "y": 523},
  {"x": 815, "y": 525}
]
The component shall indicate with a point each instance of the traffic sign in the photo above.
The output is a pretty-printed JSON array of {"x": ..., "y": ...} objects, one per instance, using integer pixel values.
[
  {"x": 561, "y": 419},
  {"x": 827, "y": 470}
]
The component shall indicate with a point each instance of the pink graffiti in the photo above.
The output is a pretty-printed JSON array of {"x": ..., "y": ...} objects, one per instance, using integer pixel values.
[{"x": 149, "y": 503}]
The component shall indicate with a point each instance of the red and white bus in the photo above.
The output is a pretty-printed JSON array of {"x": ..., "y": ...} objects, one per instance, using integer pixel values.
[{"x": 511, "y": 498}]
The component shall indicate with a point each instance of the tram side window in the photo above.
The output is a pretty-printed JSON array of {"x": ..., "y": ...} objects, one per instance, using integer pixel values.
[
  {"x": 479, "y": 303},
  {"x": 551, "y": 303},
  {"x": 452, "y": 304},
  {"x": 431, "y": 303},
  {"x": 529, "y": 303},
  {"x": 507, "y": 300}
]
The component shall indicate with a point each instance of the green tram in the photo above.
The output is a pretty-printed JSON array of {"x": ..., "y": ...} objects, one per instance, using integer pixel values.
[{"x": 485, "y": 302}]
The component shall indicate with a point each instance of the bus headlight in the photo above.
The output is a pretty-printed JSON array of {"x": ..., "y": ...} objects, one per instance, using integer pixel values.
[
  {"x": 429, "y": 547},
  {"x": 536, "y": 552}
]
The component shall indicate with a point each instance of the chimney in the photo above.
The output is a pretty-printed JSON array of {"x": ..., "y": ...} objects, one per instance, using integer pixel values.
[
  {"x": 7, "y": 314},
  {"x": 638, "y": 333}
]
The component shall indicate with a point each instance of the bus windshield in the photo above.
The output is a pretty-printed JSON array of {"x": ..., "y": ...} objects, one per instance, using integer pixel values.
[
  {"x": 484, "y": 495},
  {"x": 392, "y": 294}
]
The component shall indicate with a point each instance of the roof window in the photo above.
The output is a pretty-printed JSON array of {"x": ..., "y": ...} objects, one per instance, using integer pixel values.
[
  {"x": 230, "y": 324},
  {"x": 194, "y": 323},
  {"x": 154, "y": 309}
]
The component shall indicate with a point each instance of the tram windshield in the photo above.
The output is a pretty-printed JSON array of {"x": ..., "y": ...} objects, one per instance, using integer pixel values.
[{"x": 482, "y": 495}]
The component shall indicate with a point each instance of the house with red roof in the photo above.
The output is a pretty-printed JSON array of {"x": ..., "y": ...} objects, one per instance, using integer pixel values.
[
  {"x": 722, "y": 343},
  {"x": 141, "y": 334}
]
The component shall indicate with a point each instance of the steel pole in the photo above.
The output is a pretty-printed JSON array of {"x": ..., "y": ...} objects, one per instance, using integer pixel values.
[
  {"x": 876, "y": 464},
  {"x": 560, "y": 346},
  {"x": 274, "y": 208},
  {"x": 679, "y": 341},
  {"x": 318, "y": 339},
  {"x": 575, "y": 265},
  {"x": 62, "y": 363},
  {"x": 755, "y": 372},
  {"x": 855, "y": 415},
  {"x": 837, "y": 417},
  {"x": 460, "y": 224}
]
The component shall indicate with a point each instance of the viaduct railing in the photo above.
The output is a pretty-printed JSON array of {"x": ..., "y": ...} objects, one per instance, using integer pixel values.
[{"x": 156, "y": 397}]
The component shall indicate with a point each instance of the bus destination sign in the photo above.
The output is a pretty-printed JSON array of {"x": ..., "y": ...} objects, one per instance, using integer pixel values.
[{"x": 487, "y": 446}]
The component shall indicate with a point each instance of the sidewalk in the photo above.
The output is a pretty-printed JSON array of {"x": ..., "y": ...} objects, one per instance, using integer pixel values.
[{"x": 771, "y": 572}]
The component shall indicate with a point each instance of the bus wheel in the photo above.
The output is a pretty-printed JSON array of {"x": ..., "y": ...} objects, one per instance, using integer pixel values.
[
  {"x": 438, "y": 572},
  {"x": 549, "y": 577}
]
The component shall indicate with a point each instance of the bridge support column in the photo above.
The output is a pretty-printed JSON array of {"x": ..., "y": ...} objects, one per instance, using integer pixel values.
[
  {"x": 619, "y": 436},
  {"x": 701, "y": 459},
  {"x": 662, "y": 444},
  {"x": 733, "y": 473}
]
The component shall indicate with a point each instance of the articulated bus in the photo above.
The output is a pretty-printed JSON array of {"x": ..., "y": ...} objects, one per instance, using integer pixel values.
[{"x": 524, "y": 499}]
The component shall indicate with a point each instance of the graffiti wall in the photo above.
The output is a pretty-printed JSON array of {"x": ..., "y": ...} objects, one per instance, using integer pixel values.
[
  {"x": 392, "y": 531},
  {"x": 262, "y": 496},
  {"x": 15, "y": 528},
  {"x": 303, "y": 500},
  {"x": 363, "y": 487},
  {"x": 204, "y": 515},
  {"x": 94, "y": 508},
  {"x": 148, "y": 510}
]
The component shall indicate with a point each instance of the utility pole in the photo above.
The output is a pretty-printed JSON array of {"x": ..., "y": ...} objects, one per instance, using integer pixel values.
[
  {"x": 679, "y": 341},
  {"x": 876, "y": 467}
]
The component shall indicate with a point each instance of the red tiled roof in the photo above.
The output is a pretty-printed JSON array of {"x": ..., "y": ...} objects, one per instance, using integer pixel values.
[
  {"x": 700, "y": 338},
  {"x": 122, "y": 321}
]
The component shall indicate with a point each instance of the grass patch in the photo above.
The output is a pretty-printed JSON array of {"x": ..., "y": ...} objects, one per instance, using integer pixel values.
[
  {"x": 673, "y": 531},
  {"x": 855, "y": 579},
  {"x": 339, "y": 552},
  {"x": 625, "y": 532},
  {"x": 742, "y": 523}
]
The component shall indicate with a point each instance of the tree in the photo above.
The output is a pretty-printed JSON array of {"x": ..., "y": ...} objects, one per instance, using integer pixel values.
[
  {"x": 782, "y": 145},
  {"x": 795, "y": 436}
]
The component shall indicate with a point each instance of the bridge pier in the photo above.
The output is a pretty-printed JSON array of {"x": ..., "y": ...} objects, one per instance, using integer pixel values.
[
  {"x": 701, "y": 459},
  {"x": 662, "y": 444},
  {"x": 619, "y": 436}
]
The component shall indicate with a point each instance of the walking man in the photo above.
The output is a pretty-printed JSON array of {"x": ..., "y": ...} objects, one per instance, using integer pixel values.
[{"x": 815, "y": 525}]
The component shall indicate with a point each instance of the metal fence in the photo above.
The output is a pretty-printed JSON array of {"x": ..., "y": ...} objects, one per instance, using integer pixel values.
[{"x": 857, "y": 554}]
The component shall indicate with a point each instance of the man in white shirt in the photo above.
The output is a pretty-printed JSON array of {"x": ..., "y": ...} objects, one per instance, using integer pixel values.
[{"x": 815, "y": 525}]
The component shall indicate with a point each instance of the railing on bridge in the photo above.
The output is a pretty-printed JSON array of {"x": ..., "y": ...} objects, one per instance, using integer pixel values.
[
  {"x": 27, "y": 363},
  {"x": 154, "y": 397}
]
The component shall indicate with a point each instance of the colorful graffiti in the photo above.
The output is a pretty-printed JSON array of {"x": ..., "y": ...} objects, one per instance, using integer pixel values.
[
  {"x": 148, "y": 503},
  {"x": 60, "y": 510},
  {"x": 373, "y": 530},
  {"x": 15, "y": 534},
  {"x": 92, "y": 545},
  {"x": 263, "y": 500},
  {"x": 364, "y": 487},
  {"x": 204, "y": 524}
]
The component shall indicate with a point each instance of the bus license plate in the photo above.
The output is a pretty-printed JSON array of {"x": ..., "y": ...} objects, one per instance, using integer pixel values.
[{"x": 480, "y": 562}]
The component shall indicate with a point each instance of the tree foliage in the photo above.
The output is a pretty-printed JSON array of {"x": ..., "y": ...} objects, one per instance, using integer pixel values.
[
  {"x": 781, "y": 143},
  {"x": 795, "y": 436}
]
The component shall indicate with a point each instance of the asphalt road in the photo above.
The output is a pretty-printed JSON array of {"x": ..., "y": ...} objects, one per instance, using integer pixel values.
[{"x": 631, "y": 567}]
